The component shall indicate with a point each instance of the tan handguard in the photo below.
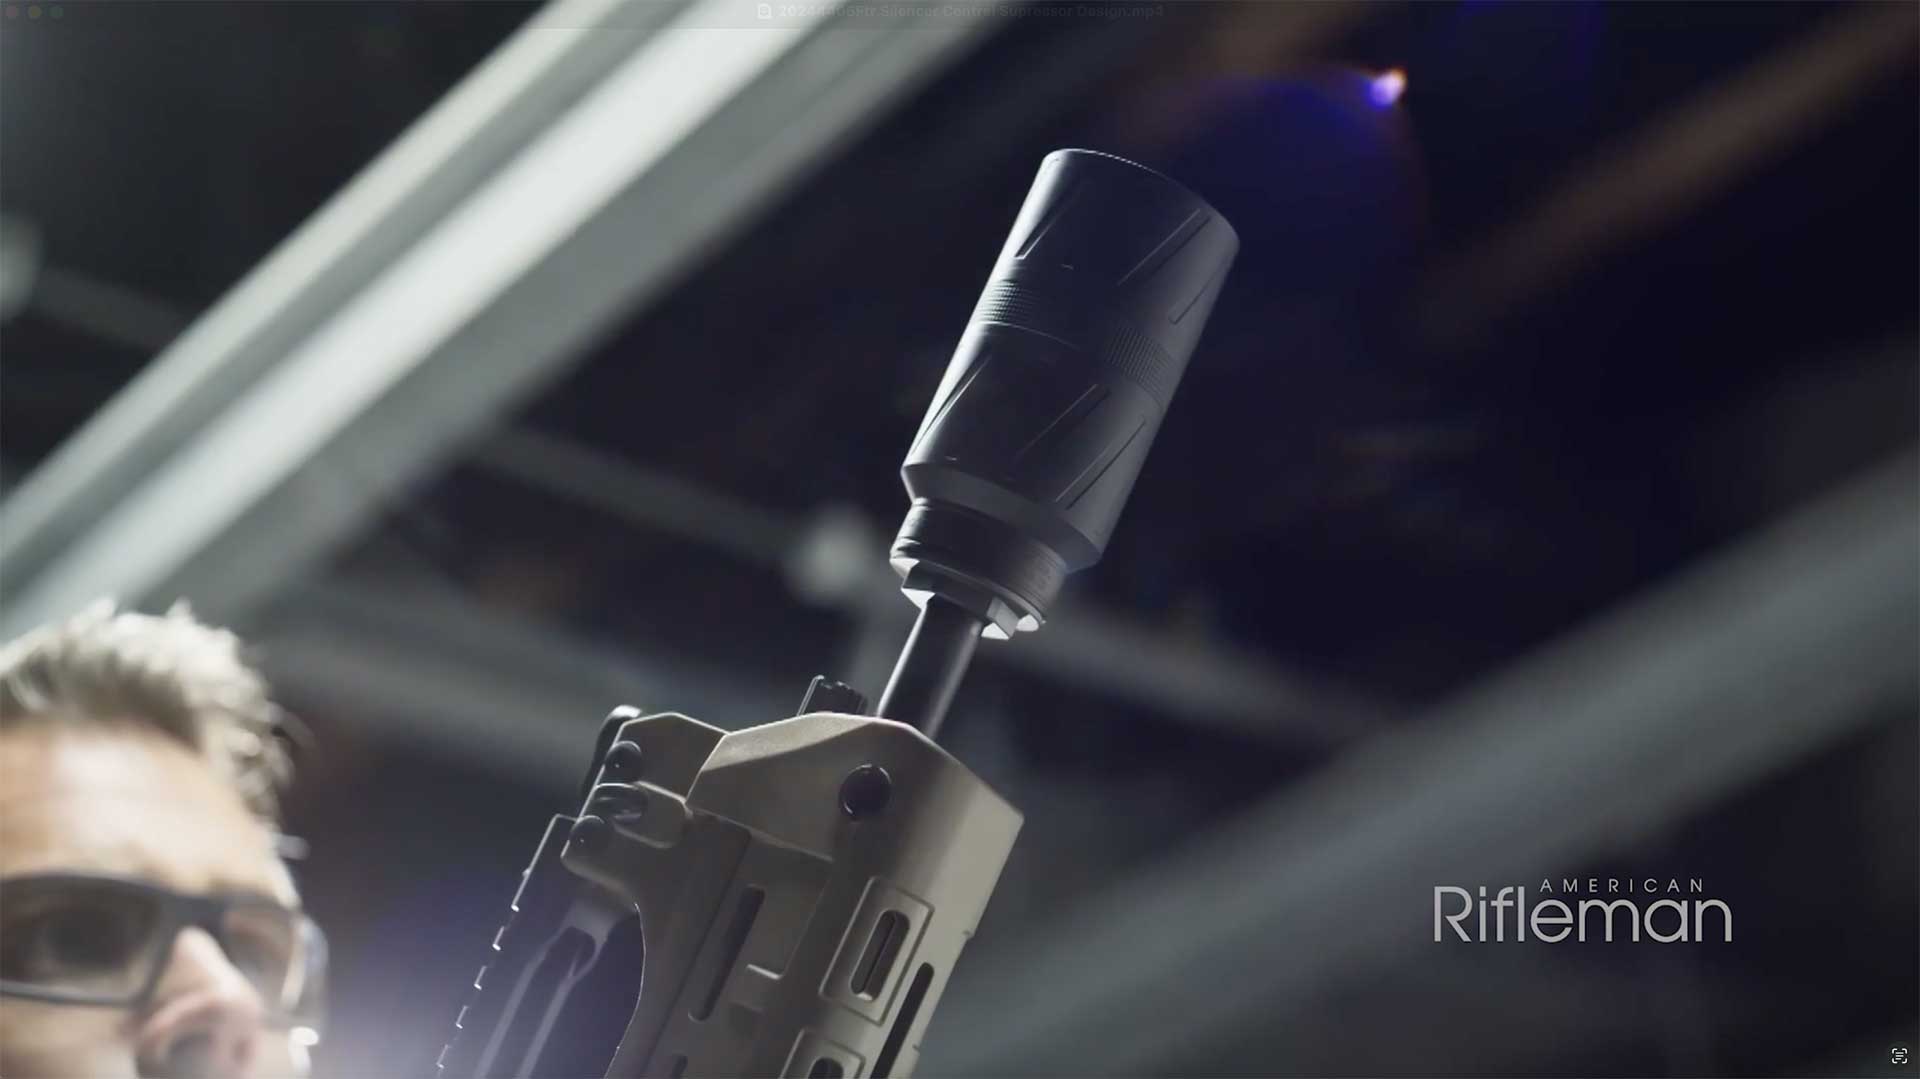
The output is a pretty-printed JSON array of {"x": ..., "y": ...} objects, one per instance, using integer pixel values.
[{"x": 786, "y": 900}]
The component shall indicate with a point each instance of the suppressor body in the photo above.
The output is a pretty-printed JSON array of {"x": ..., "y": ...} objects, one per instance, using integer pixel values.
[{"x": 1055, "y": 391}]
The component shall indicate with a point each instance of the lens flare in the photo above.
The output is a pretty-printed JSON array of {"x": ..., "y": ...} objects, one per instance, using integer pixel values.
[{"x": 1387, "y": 87}]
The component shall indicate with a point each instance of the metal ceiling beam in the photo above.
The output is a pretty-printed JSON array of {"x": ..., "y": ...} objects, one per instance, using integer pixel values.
[
  {"x": 491, "y": 116},
  {"x": 837, "y": 560},
  {"x": 676, "y": 147},
  {"x": 1756, "y": 657},
  {"x": 472, "y": 683},
  {"x": 1206, "y": 682},
  {"x": 1652, "y": 176}
]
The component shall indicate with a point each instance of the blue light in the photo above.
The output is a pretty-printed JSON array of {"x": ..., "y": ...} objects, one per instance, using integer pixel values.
[{"x": 1386, "y": 87}]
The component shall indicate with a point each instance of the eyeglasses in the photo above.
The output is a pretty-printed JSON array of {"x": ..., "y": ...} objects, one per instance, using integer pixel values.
[{"x": 83, "y": 939}]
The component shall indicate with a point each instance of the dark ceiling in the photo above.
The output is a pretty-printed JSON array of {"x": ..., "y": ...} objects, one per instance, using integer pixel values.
[
  {"x": 1329, "y": 485},
  {"x": 1323, "y": 457}
]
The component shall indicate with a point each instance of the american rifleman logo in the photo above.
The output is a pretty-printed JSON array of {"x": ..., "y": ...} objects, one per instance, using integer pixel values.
[{"x": 1660, "y": 910}]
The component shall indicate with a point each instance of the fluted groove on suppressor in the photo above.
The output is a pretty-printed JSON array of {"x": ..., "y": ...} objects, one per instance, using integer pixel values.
[
  {"x": 1115, "y": 346},
  {"x": 1057, "y": 388}
]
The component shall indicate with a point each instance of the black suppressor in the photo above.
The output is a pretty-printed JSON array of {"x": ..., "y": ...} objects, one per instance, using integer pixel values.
[{"x": 1033, "y": 442}]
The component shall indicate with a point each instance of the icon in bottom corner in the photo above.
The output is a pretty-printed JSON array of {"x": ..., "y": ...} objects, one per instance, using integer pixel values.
[{"x": 1899, "y": 1054}]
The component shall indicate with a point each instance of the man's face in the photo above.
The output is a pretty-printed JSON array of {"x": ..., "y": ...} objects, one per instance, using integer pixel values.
[{"x": 129, "y": 802}]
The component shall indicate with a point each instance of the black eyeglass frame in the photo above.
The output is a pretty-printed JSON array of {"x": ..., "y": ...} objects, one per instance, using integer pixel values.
[{"x": 175, "y": 913}]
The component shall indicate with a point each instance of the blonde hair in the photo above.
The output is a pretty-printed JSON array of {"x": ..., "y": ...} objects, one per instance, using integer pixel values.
[{"x": 172, "y": 674}]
